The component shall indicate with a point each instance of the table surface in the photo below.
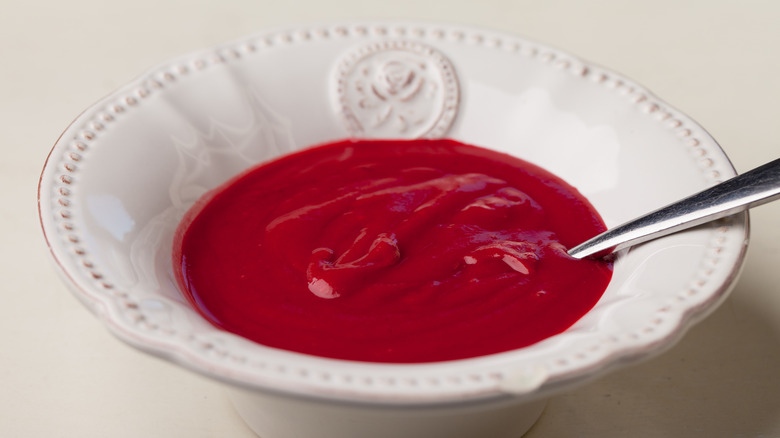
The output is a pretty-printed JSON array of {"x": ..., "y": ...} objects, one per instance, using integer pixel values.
[{"x": 62, "y": 374}]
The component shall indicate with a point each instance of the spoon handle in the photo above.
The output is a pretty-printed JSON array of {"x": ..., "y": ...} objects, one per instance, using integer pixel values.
[{"x": 756, "y": 187}]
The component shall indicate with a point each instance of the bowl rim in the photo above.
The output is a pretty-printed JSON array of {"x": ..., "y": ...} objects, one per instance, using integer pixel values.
[{"x": 377, "y": 385}]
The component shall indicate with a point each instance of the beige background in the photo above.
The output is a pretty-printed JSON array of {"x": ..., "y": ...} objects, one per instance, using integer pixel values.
[{"x": 63, "y": 375}]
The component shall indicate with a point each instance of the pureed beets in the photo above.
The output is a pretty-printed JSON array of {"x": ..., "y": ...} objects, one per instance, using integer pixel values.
[{"x": 400, "y": 251}]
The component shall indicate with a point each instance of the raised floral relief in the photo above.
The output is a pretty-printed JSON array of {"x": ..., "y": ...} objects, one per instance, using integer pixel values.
[{"x": 396, "y": 89}]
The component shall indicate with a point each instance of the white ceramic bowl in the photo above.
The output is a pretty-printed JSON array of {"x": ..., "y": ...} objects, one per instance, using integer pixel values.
[{"x": 122, "y": 174}]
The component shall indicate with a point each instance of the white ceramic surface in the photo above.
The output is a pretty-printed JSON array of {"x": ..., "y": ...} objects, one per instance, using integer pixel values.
[{"x": 120, "y": 177}]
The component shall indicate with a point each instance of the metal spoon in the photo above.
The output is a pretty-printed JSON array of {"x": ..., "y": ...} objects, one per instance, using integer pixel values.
[{"x": 756, "y": 187}]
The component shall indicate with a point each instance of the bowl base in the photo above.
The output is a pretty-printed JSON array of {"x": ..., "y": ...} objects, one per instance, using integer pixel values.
[{"x": 274, "y": 416}]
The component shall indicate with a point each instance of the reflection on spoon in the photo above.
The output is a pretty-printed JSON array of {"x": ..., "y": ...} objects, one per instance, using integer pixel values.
[{"x": 759, "y": 186}]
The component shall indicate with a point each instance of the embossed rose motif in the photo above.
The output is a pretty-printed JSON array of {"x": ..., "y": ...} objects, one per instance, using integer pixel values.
[
  {"x": 397, "y": 89},
  {"x": 390, "y": 94},
  {"x": 397, "y": 79}
]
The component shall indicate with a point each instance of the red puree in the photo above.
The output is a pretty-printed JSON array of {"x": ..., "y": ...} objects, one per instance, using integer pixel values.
[{"x": 391, "y": 251}]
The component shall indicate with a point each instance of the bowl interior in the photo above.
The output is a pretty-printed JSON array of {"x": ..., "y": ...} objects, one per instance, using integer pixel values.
[{"x": 122, "y": 175}]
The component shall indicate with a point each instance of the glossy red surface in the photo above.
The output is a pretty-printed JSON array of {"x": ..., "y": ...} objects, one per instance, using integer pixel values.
[{"x": 391, "y": 251}]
